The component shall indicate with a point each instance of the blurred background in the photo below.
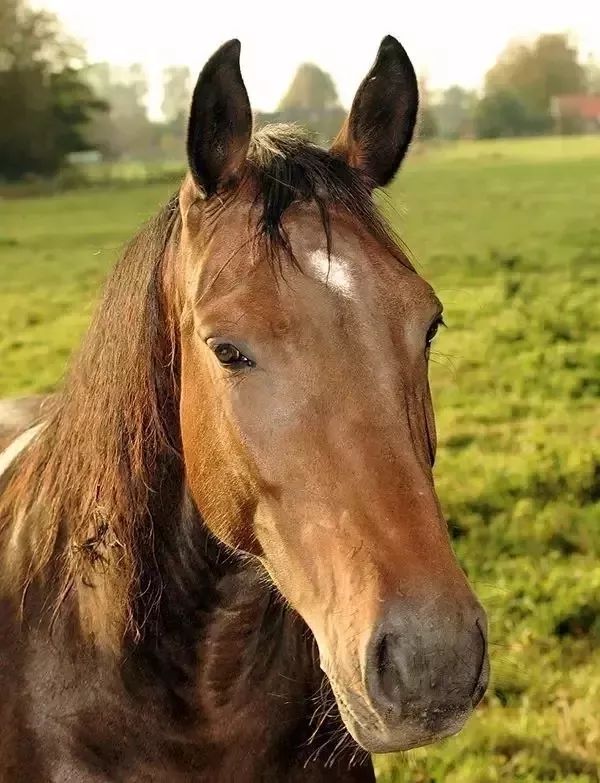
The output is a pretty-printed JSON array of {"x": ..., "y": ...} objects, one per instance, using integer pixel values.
[{"x": 499, "y": 202}]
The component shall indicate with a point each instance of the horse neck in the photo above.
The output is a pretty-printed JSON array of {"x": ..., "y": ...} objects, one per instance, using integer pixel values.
[{"x": 218, "y": 630}]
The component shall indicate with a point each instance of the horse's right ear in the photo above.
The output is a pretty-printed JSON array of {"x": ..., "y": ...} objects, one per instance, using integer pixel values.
[{"x": 220, "y": 124}]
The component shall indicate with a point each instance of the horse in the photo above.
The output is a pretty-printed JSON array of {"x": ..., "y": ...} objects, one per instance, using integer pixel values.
[{"x": 222, "y": 554}]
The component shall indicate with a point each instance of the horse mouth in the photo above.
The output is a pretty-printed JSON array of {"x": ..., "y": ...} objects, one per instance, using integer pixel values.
[{"x": 376, "y": 733}]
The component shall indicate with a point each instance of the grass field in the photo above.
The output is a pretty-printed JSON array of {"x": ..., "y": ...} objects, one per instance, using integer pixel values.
[{"x": 509, "y": 234}]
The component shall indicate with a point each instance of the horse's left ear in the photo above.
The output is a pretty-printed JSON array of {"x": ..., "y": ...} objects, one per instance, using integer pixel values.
[
  {"x": 220, "y": 124},
  {"x": 378, "y": 130}
]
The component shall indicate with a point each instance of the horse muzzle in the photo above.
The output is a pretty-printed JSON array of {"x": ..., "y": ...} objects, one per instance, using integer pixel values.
[{"x": 423, "y": 675}]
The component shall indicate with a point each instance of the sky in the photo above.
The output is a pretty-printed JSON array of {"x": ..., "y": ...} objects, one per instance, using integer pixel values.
[{"x": 449, "y": 41}]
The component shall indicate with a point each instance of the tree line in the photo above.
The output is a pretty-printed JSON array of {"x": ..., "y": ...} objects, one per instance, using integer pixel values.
[
  {"x": 517, "y": 95},
  {"x": 54, "y": 104}
]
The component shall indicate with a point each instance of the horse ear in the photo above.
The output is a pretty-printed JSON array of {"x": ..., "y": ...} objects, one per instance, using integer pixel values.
[
  {"x": 378, "y": 130},
  {"x": 220, "y": 124}
]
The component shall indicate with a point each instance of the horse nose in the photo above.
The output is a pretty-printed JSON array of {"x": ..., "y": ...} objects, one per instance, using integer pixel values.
[{"x": 428, "y": 668}]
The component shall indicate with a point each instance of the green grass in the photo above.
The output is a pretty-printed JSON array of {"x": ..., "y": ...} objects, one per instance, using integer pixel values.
[
  {"x": 509, "y": 234},
  {"x": 55, "y": 252},
  {"x": 559, "y": 148}
]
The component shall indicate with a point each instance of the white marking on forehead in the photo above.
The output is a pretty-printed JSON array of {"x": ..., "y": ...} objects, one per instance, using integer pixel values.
[
  {"x": 10, "y": 454},
  {"x": 334, "y": 271}
]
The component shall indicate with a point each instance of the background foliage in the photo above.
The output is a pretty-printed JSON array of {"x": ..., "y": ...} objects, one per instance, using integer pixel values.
[
  {"x": 45, "y": 102},
  {"x": 54, "y": 103}
]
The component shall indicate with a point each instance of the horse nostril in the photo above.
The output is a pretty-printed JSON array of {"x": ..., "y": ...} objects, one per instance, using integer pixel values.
[
  {"x": 386, "y": 672},
  {"x": 390, "y": 676},
  {"x": 419, "y": 665},
  {"x": 484, "y": 668},
  {"x": 382, "y": 656}
]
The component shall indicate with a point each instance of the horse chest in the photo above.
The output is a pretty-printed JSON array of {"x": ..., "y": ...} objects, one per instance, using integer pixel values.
[{"x": 71, "y": 722}]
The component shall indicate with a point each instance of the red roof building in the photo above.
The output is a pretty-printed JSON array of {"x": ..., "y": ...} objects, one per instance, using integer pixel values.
[{"x": 576, "y": 112}]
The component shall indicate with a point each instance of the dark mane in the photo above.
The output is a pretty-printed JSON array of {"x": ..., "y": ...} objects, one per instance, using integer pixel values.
[{"x": 108, "y": 459}]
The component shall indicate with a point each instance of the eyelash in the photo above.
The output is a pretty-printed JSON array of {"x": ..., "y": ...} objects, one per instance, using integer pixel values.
[
  {"x": 432, "y": 331},
  {"x": 237, "y": 361}
]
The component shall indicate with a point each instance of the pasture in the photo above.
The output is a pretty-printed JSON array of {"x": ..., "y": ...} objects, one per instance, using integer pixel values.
[{"x": 509, "y": 235}]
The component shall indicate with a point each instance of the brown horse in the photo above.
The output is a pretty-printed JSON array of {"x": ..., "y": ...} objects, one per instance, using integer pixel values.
[{"x": 233, "y": 493}]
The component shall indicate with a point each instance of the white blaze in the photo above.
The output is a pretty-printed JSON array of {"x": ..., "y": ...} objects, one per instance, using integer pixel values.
[{"x": 333, "y": 271}]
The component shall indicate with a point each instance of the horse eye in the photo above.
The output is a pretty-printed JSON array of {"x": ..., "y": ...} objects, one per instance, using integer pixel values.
[
  {"x": 230, "y": 356},
  {"x": 433, "y": 330}
]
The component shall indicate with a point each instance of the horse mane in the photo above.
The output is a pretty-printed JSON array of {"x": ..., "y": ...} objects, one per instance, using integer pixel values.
[
  {"x": 106, "y": 464},
  {"x": 90, "y": 476}
]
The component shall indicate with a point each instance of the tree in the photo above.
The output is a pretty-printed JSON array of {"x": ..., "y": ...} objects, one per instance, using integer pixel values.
[
  {"x": 427, "y": 127},
  {"x": 454, "y": 112},
  {"x": 592, "y": 77},
  {"x": 125, "y": 130},
  {"x": 311, "y": 90},
  {"x": 534, "y": 73},
  {"x": 177, "y": 96},
  {"x": 177, "y": 92},
  {"x": 45, "y": 102},
  {"x": 503, "y": 112},
  {"x": 312, "y": 101}
]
